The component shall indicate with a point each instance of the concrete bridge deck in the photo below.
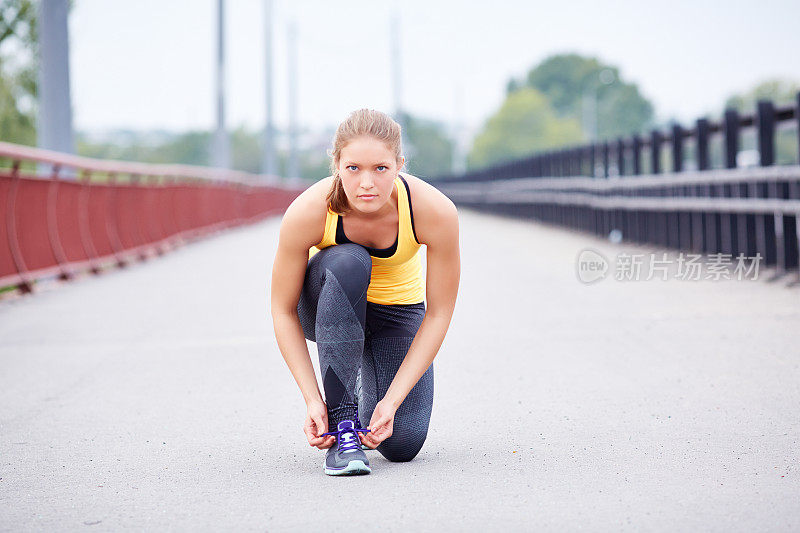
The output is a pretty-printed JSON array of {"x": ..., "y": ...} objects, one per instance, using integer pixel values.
[{"x": 154, "y": 398}]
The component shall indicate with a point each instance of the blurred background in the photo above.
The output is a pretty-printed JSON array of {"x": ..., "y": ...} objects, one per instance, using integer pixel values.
[{"x": 472, "y": 84}]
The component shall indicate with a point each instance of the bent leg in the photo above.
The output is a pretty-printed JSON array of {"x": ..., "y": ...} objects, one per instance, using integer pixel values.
[
  {"x": 334, "y": 297},
  {"x": 390, "y": 331}
]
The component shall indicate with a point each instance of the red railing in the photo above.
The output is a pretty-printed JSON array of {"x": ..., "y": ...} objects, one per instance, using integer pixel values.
[{"x": 88, "y": 214}]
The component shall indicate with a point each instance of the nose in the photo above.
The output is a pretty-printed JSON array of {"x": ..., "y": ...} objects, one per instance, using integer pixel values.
[{"x": 367, "y": 182}]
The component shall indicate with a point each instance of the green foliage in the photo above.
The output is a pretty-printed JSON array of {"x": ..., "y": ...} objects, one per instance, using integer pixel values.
[
  {"x": 545, "y": 109},
  {"x": 189, "y": 148},
  {"x": 17, "y": 125},
  {"x": 18, "y": 71},
  {"x": 780, "y": 92},
  {"x": 564, "y": 79},
  {"x": 18, "y": 21},
  {"x": 524, "y": 124},
  {"x": 193, "y": 148},
  {"x": 431, "y": 151}
]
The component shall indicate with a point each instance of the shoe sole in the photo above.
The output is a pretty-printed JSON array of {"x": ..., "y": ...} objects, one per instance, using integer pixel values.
[{"x": 354, "y": 468}]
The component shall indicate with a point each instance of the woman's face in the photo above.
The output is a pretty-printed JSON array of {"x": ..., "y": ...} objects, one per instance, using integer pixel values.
[{"x": 368, "y": 168}]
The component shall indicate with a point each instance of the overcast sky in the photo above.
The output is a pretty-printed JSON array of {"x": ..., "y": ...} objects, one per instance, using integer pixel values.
[{"x": 150, "y": 63}]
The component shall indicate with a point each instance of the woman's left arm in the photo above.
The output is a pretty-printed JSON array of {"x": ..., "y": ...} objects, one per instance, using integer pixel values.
[{"x": 440, "y": 234}]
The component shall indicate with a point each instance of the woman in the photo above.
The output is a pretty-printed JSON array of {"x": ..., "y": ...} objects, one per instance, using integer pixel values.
[{"x": 348, "y": 276}]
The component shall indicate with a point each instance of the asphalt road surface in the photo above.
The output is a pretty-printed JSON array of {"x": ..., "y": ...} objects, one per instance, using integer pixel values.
[{"x": 155, "y": 398}]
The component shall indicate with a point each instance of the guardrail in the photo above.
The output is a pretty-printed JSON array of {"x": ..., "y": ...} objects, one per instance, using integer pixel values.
[
  {"x": 604, "y": 187},
  {"x": 85, "y": 214}
]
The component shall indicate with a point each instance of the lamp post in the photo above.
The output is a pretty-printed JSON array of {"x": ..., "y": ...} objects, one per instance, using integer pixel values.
[{"x": 589, "y": 101}]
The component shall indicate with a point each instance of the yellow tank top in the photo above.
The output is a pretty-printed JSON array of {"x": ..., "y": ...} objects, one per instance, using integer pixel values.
[{"x": 397, "y": 270}]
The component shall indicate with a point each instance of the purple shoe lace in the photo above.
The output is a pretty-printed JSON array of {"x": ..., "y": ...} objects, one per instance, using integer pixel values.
[{"x": 347, "y": 443}]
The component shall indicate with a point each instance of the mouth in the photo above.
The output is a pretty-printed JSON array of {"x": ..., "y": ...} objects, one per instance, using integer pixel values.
[{"x": 368, "y": 196}]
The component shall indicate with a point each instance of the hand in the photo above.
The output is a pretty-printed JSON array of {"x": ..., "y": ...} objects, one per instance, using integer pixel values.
[
  {"x": 381, "y": 425},
  {"x": 316, "y": 424}
]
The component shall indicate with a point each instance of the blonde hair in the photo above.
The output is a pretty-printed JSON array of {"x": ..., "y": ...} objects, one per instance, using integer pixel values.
[{"x": 360, "y": 122}]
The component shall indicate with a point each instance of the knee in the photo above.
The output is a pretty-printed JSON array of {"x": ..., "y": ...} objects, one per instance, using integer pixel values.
[
  {"x": 350, "y": 263},
  {"x": 402, "y": 450}
]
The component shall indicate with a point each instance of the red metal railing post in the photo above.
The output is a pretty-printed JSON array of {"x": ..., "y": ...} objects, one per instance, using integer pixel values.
[
  {"x": 52, "y": 225},
  {"x": 25, "y": 284}
]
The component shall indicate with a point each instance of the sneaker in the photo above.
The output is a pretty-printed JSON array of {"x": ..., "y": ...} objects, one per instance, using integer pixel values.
[{"x": 345, "y": 458}]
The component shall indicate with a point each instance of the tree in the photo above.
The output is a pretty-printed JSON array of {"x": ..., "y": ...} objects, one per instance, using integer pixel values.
[
  {"x": 567, "y": 79},
  {"x": 525, "y": 123},
  {"x": 431, "y": 151},
  {"x": 780, "y": 92},
  {"x": 18, "y": 40}
]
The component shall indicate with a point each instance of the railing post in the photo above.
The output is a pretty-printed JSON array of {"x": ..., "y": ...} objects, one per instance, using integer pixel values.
[
  {"x": 25, "y": 284},
  {"x": 677, "y": 148},
  {"x": 792, "y": 223},
  {"x": 702, "y": 138},
  {"x": 699, "y": 219},
  {"x": 636, "y": 162},
  {"x": 575, "y": 162},
  {"x": 637, "y": 155},
  {"x": 623, "y": 215},
  {"x": 52, "y": 225},
  {"x": 586, "y": 162},
  {"x": 112, "y": 220},
  {"x": 659, "y": 220},
  {"x": 676, "y": 221},
  {"x": 767, "y": 234},
  {"x": 83, "y": 221},
  {"x": 655, "y": 151},
  {"x": 742, "y": 223}
]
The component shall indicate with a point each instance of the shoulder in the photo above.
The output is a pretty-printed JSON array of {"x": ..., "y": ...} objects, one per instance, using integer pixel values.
[
  {"x": 303, "y": 222},
  {"x": 434, "y": 213}
]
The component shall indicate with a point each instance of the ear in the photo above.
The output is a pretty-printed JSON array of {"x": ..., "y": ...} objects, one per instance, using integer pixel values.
[{"x": 402, "y": 162}]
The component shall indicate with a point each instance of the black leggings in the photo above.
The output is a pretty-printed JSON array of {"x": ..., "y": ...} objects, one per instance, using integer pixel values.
[{"x": 351, "y": 332}]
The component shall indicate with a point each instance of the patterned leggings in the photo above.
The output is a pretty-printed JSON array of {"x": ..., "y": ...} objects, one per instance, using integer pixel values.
[{"x": 353, "y": 334}]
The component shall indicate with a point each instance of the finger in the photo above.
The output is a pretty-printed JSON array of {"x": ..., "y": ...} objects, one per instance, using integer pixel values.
[
  {"x": 310, "y": 435},
  {"x": 322, "y": 427},
  {"x": 382, "y": 433},
  {"x": 326, "y": 443},
  {"x": 371, "y": 440},
  {"x": 381, "y": 421}
]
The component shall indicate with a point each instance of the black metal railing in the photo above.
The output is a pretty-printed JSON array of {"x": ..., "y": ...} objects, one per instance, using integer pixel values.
[{"x": 623, "y": 185}]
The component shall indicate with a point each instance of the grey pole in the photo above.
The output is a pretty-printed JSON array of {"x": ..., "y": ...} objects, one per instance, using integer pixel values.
[
  {"x": 221, "y": 146},
  {"x": 458, "y": 164},
  {"x": 397, "y": 82},
  {"x": 268, "y": 165},
  {"x": 293, "y": 167},
  {"x": 55, "y": 102}
]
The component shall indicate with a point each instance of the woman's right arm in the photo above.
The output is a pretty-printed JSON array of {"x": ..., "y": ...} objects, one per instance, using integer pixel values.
[{"x": 299, "y": 231}]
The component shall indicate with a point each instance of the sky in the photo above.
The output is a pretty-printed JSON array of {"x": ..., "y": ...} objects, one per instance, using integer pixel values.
[{"x": 150, "y": 64}]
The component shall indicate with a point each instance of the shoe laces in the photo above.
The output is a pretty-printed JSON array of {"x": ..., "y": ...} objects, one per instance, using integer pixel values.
[{"x": 347, "y": 438}]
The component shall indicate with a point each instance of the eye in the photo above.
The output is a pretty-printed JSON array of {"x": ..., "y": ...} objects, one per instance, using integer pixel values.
[
  {"x": 382, "y": 167},
  {"x": 353, "y": 167}
]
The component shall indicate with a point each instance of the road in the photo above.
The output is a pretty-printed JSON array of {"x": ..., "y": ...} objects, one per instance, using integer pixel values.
[{"x": 154, "y": 398}]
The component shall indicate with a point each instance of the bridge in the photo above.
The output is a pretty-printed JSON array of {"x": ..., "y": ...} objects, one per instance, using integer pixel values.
[{"x": 572, "y": 391}]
